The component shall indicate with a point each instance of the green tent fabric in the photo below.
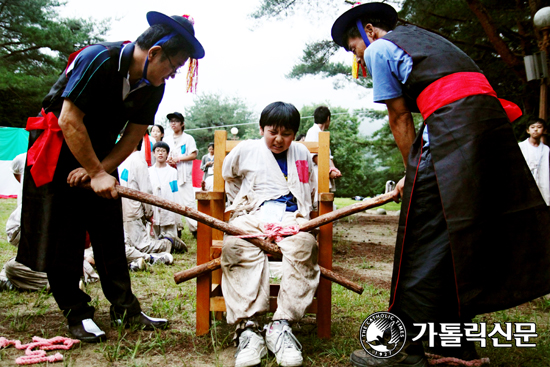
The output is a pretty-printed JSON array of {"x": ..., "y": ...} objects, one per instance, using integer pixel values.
[{"x": 13, "y": 141}]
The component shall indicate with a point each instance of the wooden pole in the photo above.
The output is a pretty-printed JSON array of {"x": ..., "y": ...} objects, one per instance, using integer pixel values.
[
  {"x": 185, "y": 275},
  {"x": 266, "y": 246}
]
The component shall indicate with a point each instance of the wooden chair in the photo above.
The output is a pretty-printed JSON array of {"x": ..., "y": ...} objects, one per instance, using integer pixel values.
[{"x": 209, "y": 241}]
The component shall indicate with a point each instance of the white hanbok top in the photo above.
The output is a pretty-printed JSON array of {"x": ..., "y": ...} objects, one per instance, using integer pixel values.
[
  {"x": 252, "y": 177},
  {"x": 165, "y": 184},
  {"x": 183, "y": 146},
  {"x": 133, "y": 173},
  {"x": 538, "y": 160}
]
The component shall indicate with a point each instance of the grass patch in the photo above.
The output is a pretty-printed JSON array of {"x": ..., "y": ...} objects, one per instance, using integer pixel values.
[{"x": 25, "y": 314}]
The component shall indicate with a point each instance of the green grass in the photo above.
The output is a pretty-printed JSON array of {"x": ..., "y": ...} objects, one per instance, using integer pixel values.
[{"x": 25, "y": 314}]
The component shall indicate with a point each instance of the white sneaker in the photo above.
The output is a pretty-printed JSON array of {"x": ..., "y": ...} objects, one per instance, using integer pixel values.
[
  {"x": 137, "y": 265},
  {"x": 161, "y": 258},
  {"x": 251, "y": 349},
  {"x": 281, "y": 342}
]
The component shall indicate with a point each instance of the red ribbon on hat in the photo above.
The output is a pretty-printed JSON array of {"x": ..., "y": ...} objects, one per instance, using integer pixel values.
[{"x": 44, "y": 153}]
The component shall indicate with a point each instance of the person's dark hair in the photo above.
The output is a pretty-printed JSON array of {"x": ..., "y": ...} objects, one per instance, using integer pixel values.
[
  {"x": 299, "y": 137},
  {"x": 321, "y": 114},
  {"x": 171, "y": 47},
  {"x": 160, "y": 128},
  {"x": 353, "y": 32},
  {"x": 161, "y": 144},
  {"x": 280, "y": 114},
  {"x": 537, "y": 120},
  {"x": 210, "y": 145}
]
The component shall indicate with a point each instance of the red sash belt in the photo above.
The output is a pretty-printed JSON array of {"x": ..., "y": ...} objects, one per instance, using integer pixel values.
[
  {"x": 456, "y": 86},
  {"x": 44, "y": 153}
]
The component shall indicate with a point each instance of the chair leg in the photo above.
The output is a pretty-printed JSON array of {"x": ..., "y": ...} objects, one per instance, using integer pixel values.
[
  {"x": 324, "y": 302},
  {"x": 203, "y": 305}
]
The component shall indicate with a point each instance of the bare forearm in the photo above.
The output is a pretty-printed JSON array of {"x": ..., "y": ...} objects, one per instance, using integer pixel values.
[
  {"x": 71, "y": 122},
  {"x": 401, "y": 125}
]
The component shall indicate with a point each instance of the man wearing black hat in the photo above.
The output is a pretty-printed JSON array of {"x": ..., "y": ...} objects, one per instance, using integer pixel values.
[
  {"x": 469, "y": 202},
  {"x": 73, "y": 141}
]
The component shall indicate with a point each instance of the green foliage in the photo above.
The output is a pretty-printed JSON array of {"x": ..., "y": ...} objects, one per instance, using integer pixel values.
[
  {"x": 214, "y": 112},
  {"x": 351, "y": 152},
  {"x": 500, "y": 57},
  {"x": 513, "y": 21},
  {"x": 34, "y": 46},
  {"x": 316, "y": 60}
]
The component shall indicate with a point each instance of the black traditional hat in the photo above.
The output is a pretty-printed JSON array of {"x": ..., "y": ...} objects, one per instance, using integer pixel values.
[
  {"x": 380, "y": 11},
  {"x": 180, "y": 25}
]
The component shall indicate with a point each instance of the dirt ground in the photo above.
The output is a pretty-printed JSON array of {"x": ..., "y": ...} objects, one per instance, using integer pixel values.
[{"x": 366, "y": 241}]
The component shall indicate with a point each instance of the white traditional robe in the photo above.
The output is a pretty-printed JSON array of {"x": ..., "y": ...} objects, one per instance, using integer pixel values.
[
  {"x": 165, "y": 184},
  {"x": 185, "y": 146},
  {"x": 252, "y": 176},
  {"x": 313, "y": 135},
  {"x": 538, "y": 160},
  {"x": 133, "y": 173},
  {"x": 13, "y": 224}
]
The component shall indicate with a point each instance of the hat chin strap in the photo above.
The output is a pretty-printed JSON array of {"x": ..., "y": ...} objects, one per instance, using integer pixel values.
[
  {"x": 143, "y": 78},
  {"x": 361, "y": 29}
]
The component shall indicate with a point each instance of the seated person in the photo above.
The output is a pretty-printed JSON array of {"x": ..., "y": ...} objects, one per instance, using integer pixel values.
[
  {"x": 137, "y": 260},
  {"x": 164, "y": 180},
  {"x": 13, "y": 225},
  {"x": 267, "y": 181},
  {"x": 134, "y": 174}
]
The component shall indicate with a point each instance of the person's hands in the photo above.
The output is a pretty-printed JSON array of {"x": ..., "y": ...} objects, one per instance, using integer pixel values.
[
  {"x": 334, "y": 173},
  {"x": 210, "y": 163},
  {"x": 104, "y": 185},
  {"x": 397, "y": 193},
  {"x": 77, "y": 177},
  {"x": 172, "y": 162}
]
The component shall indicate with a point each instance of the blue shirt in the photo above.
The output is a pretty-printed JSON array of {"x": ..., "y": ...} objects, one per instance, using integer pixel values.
[
  {"x": 289, "y": 199},
  {"x": 389, "y": 67}
]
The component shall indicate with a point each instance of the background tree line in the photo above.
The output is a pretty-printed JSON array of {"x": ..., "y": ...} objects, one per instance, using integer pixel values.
[{"x": 35, "y": 43}]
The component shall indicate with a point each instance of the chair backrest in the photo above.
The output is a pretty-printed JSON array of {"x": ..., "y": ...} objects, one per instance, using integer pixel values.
[{"x": 222, "y": 147}]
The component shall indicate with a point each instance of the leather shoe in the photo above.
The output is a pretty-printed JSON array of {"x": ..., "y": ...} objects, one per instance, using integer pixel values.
[
  {"x": 87, "y": 331},
  {"x": 141, "y": 321}
]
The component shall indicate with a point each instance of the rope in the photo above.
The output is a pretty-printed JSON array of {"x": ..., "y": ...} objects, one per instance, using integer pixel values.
[
  {"x": 39, "y": 356},
  {"x": 434, "y": 359},
  {"x": 274, "y": 231}
]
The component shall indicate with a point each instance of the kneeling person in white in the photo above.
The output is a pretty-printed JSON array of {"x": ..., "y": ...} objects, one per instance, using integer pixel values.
[
  {"x": 269, "y": 181},
  {"x": 165, "y": 184},
  {"x": 134, "y": 174}
]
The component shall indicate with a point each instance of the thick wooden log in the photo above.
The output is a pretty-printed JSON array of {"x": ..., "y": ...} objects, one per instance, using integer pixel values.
[
  {"x": 215, "y": 264},
  {"x": 265, "y": 245},
  {"x": 344, "y": 212}
]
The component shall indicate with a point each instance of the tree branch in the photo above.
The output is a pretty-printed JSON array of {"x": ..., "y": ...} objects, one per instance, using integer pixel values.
[
  {"x": 491, "y": 31},
  {"x": 21, "y": 51}
]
